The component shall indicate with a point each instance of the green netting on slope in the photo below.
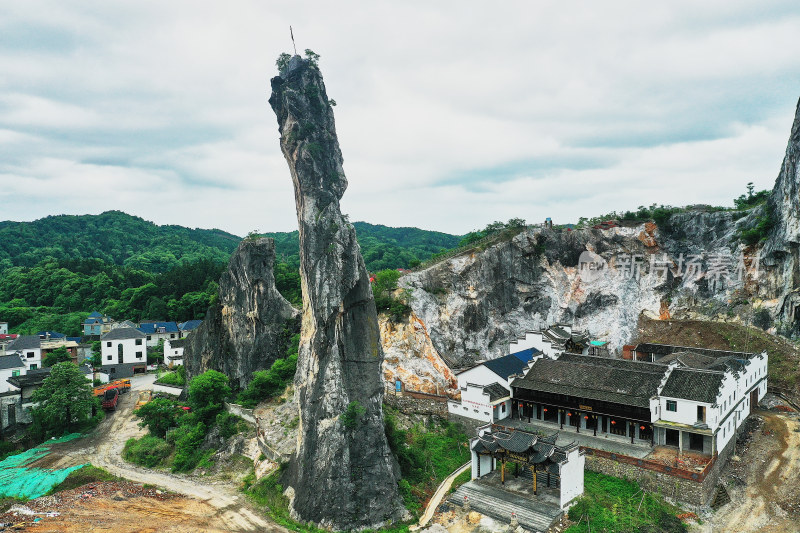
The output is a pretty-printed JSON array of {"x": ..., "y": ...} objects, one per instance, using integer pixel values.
[
  {"x": 65, "y": 438},
  {"x": 19, "y": 481}
]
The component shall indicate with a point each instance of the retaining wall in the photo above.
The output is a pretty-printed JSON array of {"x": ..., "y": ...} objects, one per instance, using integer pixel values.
[{"x": 418, "y": 403}]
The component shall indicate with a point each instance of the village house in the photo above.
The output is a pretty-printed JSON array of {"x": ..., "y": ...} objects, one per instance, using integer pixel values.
[
  {"x": 556, "y": 339},
  {"x": 3, "y": 328},
  {"x": 97, "y": 324},
  {"x": 485, "y": 389},
  {"x": 157, "y": 331},
  {"x": 10, "y": 366},
  {"x": 33, "y": 349},
  {"x": 173, "y": 352},
  {"x": 123, "y": 353},
  {"x": 5, "y": 340},
  {"x": 17, "y": 404},
  {"x": 189, "y": 326}
]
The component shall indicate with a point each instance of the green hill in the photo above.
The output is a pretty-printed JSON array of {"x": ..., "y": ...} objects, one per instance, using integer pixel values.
[{"x": 55, "y": 270}]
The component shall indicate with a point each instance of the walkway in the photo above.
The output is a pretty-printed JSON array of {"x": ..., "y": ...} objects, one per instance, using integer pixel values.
[
  {"x": 444, "y": 487},
  {"x": 609, "y": 443},
  {"x": 499, "y": 504}
]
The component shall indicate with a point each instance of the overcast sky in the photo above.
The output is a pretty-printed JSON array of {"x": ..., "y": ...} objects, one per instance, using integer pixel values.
[{"x": 450, "y": 114}]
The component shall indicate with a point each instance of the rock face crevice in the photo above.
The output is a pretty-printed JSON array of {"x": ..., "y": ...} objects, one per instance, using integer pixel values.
[
  {"x": 249, "y": 327},
  {"x": 343, "y": 475}
]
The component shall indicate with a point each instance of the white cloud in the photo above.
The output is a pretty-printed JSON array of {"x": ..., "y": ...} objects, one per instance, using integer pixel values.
[{"x": 451, "y": 114}]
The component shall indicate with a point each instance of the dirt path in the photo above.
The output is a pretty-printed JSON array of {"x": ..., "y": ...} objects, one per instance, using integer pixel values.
[
  {"x": 440, "y": 493},
  {"x": 769, "y": 501},
  {"x": 104, "y": 448}
]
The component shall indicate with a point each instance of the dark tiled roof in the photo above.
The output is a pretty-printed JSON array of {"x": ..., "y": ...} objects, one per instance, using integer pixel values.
[
  {"x": 505, "y": 366},
  {"x": 122, "y": 333},
  {"x": 696, "y": 385},
  {"x": 152, "y": 327},
  {"x": 10, "y": 361},
  {"x": 25, "y": 342},
  {"x": 622, "y": 385},
  {"x": 538, "y": 449},
  {"x": 665, "y": 349},
  {"x": 496, "y": 392},
  {"x": 526, "y": 355},
  {"x": 177, "y": 343},
  {"x": 638, "y": 366}
]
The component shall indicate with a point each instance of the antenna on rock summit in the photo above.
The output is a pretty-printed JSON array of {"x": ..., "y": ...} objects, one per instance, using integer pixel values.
[{"x": 293, "y": 45}]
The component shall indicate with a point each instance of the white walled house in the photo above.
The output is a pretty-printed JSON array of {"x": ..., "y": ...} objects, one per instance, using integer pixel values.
[
  {"x": 29, "y": 349},
  {"x": 173, "y": 352},
  {"x": 3, "y": 328},
  {"x": 485, "y": 389},
  {"x": 123, "y": 346},
  {"x": 10, "y": 366},
  {"x": 158, "y": 331},
  {"x": 553, "y": 340}
]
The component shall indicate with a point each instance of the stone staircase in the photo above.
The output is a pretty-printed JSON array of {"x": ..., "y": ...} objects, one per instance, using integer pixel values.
[{"x": 498, "y": 504}]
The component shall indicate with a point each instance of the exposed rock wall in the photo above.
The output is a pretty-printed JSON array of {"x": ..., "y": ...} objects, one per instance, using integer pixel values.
[
  {"x": 473, "y": 305},
  {"x": 344, "y": 475},
  {"x": 411, "y": 357},
  {"x": 250, "y": 325}
]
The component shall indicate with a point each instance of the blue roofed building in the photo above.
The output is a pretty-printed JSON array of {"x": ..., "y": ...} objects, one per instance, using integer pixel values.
[
  {"x": 189, "y": 326},
  {"x": 97, "y": 324},
  {"x": 485, "y": 389},
  {"x": 157, "y": 331}
]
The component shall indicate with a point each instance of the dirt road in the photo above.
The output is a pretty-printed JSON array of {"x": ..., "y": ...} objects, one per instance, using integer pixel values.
[
  {"x": 769, "y": 500},
  {"x": 103, "y": 448}
]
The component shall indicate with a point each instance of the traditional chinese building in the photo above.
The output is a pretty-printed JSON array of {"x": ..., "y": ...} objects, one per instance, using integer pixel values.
[{"x": 547, "y": 466}]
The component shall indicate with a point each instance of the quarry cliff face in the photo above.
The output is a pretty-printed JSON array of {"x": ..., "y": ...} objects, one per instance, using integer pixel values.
[
  {"x": 343, "y": 475},
  {"x": 250, "y": 325},
  {"x": 693, "y": 264}
]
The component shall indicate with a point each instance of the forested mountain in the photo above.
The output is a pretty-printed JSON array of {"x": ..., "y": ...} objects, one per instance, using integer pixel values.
[
  {"x": 113, "y": 237},
  {"x": 382, "y": 247},
  {"x": 56, "y": 270}
]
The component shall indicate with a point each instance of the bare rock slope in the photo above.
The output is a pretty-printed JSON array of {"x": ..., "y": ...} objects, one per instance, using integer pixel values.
[
  {"x": 249, "y": 327},
  {"x": 343, "y": 475}
]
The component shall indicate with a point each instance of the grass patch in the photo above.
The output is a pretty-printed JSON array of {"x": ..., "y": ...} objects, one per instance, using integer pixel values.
[
  {"x": 83, "y": 476},
  {"x": 173, "y": 378},
  {"x": 616, "y": 505},
  {"x": 267, "y": 493},
  {"x": 147, "y": 451},
  {"x": 460, "y": 479},
  {"x": 7, "y": 449},
  {"x": 427, "y": 455}
]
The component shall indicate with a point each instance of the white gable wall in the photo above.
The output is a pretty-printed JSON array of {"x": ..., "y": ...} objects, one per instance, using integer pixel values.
[{"x": 131, "y": 351}]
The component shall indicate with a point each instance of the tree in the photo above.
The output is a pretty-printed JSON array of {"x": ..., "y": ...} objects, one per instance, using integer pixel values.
[
  {"x": 158, "y": 416},
  {"x": 97, "y": 355},
  {"x": 207, "y": 393},
  {"x": 64, "y": 400},
  {"x": 155, "y": 354},
  {"x": 58, "y": 355}
]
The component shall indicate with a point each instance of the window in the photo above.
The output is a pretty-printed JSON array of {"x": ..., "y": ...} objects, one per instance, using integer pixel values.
[
  {"x": 14, "y": 373},
  {"x": 171, "y": 335},
  {"x": 503, "y": 408},
  {"x": 109, "y": 358},
  {"x": 149, "y": 337},
  {"x": 672, "y": 405},
  {"x": 29, "y": 355},
  {"x": 138, "y": 342},
  {"x": 108, "y": 344},
  {"x": 138, "y": 355},
  {"x": 34, "y": 366}
]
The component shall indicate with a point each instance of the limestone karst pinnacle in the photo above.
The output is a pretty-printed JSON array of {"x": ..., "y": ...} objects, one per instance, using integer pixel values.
[{"x": 343, "y": 475}]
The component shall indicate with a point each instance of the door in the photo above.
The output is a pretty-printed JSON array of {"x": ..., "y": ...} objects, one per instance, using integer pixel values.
[
  {"x": 12, "y": 414},
  {"x": 701, "y": 413},
  {"x": 753, "y": 399}
]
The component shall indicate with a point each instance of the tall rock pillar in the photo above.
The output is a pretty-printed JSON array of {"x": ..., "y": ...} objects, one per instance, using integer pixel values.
[{"x": 343, "y": 475}]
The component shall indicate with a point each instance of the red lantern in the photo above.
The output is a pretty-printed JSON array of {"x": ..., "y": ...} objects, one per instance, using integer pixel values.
[
  {"x": 545, "y": 409},
  {"x": 586, "y": 417},
  {"x": 613, "y": 422},
  {"x": 641, "y": 427},
  {"x": 569, "y": 414}
]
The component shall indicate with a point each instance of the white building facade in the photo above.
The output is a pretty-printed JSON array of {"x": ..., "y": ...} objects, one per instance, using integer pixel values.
[{"x": 123, "y": 346}]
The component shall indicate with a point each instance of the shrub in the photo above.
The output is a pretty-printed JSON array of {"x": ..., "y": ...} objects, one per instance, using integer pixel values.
[
  {"x": 230, "y": 424},
  {"x": 207, "y": 393},
  {"x": 267, "y": 384},
  {"x": 352, "y": 416},
  {"x": 762, "y": 319},
  {"x": 187, "y": 448},
  {"x": 147, "y": 451},
  {"x": 158, "y": 415}
]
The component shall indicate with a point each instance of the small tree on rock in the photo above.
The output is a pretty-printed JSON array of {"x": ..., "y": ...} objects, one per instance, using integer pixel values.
[{"x": 207, "y": 393}]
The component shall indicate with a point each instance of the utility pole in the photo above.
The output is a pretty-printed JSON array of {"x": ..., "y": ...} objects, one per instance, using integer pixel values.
[{"x": 293, "y": 45}]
